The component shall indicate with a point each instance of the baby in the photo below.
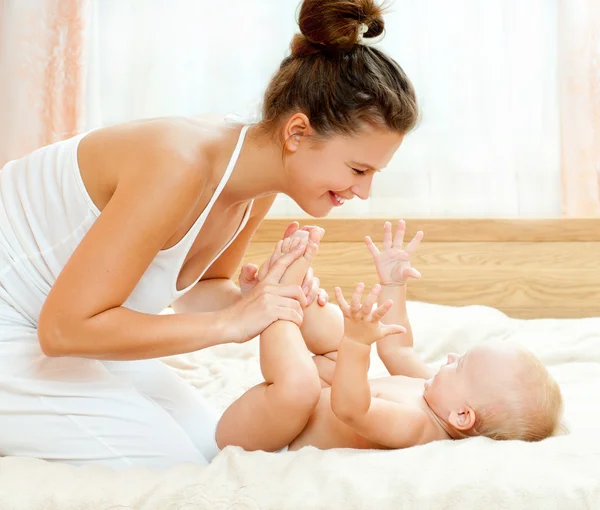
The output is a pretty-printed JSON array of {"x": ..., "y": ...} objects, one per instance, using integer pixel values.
[{"x": 499, "y": 390}]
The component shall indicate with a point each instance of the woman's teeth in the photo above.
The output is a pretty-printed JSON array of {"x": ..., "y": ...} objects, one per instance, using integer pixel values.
[{"x": 340, "y": 200}]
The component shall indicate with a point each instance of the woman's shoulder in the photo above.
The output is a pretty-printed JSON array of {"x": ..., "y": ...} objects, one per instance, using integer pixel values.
[
  {"x": 165, "y": 150},
  {"x": 178, "y": 137}
]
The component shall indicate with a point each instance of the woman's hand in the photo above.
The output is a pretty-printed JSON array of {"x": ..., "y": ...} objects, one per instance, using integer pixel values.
[
  {"x": 267, "y": 302},
  {"x": 251, "y": 275}
]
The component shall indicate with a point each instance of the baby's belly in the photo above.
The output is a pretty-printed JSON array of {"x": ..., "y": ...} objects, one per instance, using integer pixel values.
[{"x": 325, "y": 431}]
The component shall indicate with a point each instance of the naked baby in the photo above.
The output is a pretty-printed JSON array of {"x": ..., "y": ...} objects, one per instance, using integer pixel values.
[{"x": 317, "y": 391}]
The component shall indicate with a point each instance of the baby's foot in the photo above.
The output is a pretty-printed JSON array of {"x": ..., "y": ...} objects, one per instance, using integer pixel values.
[{"x": 295, "y": 274}]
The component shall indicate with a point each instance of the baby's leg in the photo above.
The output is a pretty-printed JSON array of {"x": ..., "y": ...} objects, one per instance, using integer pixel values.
[
  {"x": 323, "y": 326},
  {"x": 326, "y": 366},
  {"x": 272, "y": 414}
]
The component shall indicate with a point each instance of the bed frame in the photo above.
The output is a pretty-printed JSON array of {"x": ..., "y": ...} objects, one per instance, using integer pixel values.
[{"x": 526, "y": 268}]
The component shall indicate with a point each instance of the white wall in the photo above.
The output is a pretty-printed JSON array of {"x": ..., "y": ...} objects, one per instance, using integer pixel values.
[{"x": 485, "y": 73}]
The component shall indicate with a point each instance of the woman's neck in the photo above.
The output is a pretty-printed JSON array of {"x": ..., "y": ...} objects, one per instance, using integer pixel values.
[{"x": 259, "y": 169}]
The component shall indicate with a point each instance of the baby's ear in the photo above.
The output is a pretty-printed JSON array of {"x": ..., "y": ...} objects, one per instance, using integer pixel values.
[{"x": 462, "y": 419}]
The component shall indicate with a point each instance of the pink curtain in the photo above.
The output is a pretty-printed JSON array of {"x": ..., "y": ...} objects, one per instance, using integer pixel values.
[
  {"x": 579, "y": 75},
  {"x": 41, "y": 73}
]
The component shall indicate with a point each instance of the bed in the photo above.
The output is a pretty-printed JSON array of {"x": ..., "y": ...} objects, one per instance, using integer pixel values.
[{"x": 535, "y": 282}]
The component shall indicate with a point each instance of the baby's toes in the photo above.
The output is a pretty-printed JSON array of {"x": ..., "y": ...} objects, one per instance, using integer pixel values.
[
  {"x": 316, "y": 234},
  {"x": 285, "y": 245}
]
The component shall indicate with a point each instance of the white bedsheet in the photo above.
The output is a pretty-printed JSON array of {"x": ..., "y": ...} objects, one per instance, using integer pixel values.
[{"x": 559, "y": 473}]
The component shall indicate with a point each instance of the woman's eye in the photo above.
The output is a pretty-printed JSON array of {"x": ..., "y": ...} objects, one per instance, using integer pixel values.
[{"x": 359, "y": 172}]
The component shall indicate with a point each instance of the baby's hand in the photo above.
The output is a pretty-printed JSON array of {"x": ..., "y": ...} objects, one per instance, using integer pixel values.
[
  {"x": 393, "y": 262},
  {"x": 362, "y": 323}
]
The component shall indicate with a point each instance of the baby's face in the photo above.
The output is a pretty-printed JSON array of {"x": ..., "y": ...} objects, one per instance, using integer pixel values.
[{"x": 479, "y": 374}]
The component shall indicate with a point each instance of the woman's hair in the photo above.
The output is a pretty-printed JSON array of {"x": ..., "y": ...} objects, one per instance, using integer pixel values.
[
  {"x": 529, "y": 407},
  {"x": 338, "y": 82}
]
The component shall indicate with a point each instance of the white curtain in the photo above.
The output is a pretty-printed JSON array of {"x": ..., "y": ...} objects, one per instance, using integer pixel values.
[{"x": 485, "y": 72}]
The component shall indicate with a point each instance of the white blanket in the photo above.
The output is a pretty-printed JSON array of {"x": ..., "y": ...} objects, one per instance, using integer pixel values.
[{"x": 559, "y": 473}]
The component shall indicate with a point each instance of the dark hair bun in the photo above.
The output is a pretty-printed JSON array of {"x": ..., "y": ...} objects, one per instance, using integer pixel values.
[{"x": 335, "y": 24}]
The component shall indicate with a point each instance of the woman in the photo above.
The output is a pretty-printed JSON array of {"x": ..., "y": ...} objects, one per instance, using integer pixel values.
[{"x": 101, "y": 232}]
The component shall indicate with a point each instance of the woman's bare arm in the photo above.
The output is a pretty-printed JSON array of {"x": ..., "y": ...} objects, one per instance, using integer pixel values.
[
  {"x": 216, "y": 290},
  {"x": 157, "y": 189}
]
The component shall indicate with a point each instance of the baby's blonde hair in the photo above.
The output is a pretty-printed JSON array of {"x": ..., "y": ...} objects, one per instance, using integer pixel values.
[{"x": 527, "y": 408}]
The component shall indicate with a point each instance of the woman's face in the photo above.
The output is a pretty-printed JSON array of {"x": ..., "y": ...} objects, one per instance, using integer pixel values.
[{"x": 322, "y": 176}]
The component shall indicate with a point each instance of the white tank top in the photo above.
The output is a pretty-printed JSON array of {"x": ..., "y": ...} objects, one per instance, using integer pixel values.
[{"x": 45, "y": 211}]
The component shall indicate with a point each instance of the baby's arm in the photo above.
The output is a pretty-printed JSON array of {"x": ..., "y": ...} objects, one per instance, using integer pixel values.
[
  {"x": 396, "y": 351},
  {"x": 394, "y": 270},
  {"x": 387, "y": 423}
]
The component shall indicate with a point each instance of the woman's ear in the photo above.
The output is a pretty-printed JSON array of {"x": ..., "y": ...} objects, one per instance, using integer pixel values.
[{"x": 295, "y": 128}]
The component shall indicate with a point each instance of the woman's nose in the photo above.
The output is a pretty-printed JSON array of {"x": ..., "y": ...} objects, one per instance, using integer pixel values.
[{"x": 363, "y": 190}]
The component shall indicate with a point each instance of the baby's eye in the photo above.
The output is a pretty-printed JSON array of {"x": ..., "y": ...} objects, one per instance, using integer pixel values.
[{"x": 358, "y": 172}]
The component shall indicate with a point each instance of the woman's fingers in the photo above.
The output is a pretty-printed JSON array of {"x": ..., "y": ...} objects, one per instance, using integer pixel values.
[
  {"x": 286, "y": 302},
  {"x": 288, "y": 291},
  {"x": 291, "y": 229},
  {"x": 289, "y": 314},
  {"x": 277, "y": 269}
]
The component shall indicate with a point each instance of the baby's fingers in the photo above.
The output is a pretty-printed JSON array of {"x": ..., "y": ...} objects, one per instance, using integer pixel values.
[
  {"x": 372, "y": 248},
  {"x": 414, "y": 243},
  {"x": 343, "y": 304},
  {"x": 399, "y": 236},
  {"x": 357, "y": 298},
  {"x": 411, "y": 272},
  {"x": 387, "y": 235},
  {"x": 379, "y": 313},
  {"x": 392, "y": 329},
  {"x": 367, "y": 306}
]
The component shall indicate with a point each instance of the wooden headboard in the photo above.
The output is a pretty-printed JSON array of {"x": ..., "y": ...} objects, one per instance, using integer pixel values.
[{"x": 526, "y": 268}]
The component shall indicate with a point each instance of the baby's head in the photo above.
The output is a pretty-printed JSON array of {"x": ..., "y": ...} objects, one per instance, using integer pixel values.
[{"x": 498, "y": 390}]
